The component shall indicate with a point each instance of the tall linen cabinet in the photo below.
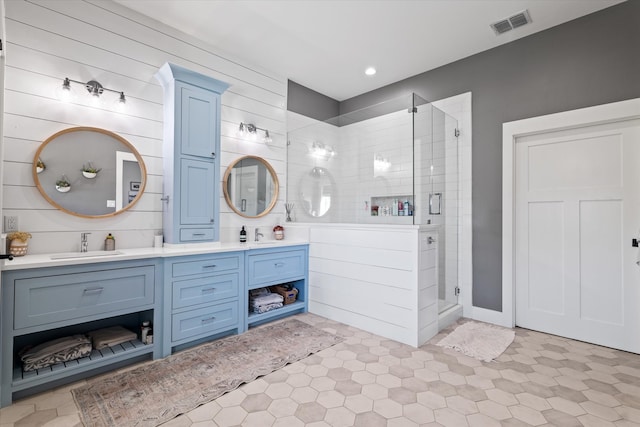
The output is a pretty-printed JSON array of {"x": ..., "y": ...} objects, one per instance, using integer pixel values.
[{"x": 191, "y": 155}]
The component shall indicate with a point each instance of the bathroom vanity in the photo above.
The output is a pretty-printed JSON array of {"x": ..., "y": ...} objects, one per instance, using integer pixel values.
[{"x": 190, "y": 294}]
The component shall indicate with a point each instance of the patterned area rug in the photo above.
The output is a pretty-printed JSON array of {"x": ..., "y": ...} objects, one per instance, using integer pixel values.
[
  {"x": 163, "y": 389},
  {"x": 481, "y": 341}
]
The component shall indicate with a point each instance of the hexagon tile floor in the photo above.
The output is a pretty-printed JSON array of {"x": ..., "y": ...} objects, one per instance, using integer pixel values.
[{"x": 371, "y": 381}]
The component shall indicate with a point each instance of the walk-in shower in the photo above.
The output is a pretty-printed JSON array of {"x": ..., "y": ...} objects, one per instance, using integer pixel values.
[{"x": 393, "y": 163}]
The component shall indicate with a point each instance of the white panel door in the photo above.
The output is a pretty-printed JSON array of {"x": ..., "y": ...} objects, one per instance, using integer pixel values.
[{"x": 577, "y": 210}]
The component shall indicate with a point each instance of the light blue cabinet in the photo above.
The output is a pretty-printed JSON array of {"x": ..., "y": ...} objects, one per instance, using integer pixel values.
[
  {"x": 202, "y": 298},
  {"x": 197, "y": 200},
  {"x": 276, "y": 266},
  {"x": 198, "y": 128},
  {"x": 191, "y": 160},
  {"x": 43, "y": 304},
  {"x": 189, "y": 299}
]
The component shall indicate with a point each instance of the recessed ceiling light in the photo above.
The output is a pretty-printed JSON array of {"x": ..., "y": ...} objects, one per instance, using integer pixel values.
[{"x": 370, "y": 71}]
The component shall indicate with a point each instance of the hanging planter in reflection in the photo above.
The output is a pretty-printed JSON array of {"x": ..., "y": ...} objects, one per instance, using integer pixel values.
[
  {"x": 40, "y": 166},
  {"x": 89, "y": 171},
  {"x": 63, "y": 185}
]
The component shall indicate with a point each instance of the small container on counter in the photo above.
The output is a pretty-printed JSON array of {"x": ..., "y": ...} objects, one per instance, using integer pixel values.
[
  {"x": 278, "y": 232},
  {"x": 110, "y": 243}
]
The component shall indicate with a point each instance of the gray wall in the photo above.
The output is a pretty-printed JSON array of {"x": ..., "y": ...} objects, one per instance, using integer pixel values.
[
  {"x": 310, "y": 103},
  {"x": 589, "y": 61}
]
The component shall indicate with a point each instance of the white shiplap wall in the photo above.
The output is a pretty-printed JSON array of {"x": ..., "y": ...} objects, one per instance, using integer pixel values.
[{"x": 97, "y": 39}]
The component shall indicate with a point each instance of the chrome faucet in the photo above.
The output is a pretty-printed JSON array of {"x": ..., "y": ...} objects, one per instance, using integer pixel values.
[
  {"x": 84, "y": 242},
  {"x": 258, "y": 235}
]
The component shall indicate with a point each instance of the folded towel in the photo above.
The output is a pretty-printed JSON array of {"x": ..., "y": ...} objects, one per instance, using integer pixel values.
[
  {"x": 267, "y": 307},
  {"x": 258, "y": 292},
  {"x": 109, "y": 337},
  {"x": 267, "y": 299},
  {"x": 55, "y": 351}
]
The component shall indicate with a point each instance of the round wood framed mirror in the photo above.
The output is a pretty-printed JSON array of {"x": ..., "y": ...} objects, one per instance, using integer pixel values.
[
  {"x": 251, "y": 187},
  {"x": 89, "y": 172}
]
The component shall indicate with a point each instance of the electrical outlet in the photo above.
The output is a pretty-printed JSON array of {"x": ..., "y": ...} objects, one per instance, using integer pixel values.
[{"x": 11, "y": 223}]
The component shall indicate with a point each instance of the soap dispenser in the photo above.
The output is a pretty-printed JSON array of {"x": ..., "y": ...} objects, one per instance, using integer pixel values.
[{"x": 110, "y": 243}]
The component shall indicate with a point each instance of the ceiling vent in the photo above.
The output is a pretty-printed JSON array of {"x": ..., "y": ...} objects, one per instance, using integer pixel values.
[{"x": 515, "y": 21}]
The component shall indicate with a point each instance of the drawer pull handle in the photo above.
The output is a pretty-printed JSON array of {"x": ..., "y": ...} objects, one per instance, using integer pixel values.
[
  {"x": 208, "y": 319},
  {"x": 208, "y": 290},
  {"x": 197, "y": 234},
  {"x": 279, "y": 264},
  {"x": 93, "y": 290},
  {"x": 209, "y": 266}
]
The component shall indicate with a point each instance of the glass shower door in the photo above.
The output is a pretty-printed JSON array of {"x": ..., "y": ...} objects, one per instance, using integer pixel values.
[{"x": 437, "y": 189}]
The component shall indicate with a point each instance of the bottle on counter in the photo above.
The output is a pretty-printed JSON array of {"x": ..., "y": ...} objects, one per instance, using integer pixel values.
[
  {"x": 110, "y": 243},
  {"x": 144, "y": 331},
  {"x": 243, "y": 235}
]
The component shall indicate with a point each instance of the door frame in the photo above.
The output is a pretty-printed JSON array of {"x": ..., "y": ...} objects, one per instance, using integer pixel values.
[{"x": 511, "y": 131}]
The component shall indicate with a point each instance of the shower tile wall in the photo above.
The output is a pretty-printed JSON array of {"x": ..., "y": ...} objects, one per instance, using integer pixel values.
[
  {"x": 390, "y": 136},
  {"x": 356, "y": 146}
]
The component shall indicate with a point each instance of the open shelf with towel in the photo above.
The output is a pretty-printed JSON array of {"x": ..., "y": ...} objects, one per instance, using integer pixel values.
[
  {"x": 44, "y": 304},
  {"x": 277, "y": 266}
]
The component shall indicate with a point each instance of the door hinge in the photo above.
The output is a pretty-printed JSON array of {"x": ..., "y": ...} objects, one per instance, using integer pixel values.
[
  {"x": 412, "y": 110},
  {"x": 456, "y": 291},
  {"x": 456, "y": 132}
]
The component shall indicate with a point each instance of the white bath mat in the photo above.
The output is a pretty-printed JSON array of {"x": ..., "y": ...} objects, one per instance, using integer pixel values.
[{"x": 479, "y": 340}]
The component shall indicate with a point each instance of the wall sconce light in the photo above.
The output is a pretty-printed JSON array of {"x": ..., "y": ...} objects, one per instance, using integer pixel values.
[
  {"x": 94, "y": 88},
  {"x": 249, "y": 130},
  {"x": 321, "y": 151},
  {"x": 381, "y": 163}
]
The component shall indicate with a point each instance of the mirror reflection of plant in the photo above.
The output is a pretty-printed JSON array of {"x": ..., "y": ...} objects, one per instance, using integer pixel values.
[
  {"x": 90, "y": 168},
  {"x": 63, "y": 182},
  {"x": 40, "y": 164}
]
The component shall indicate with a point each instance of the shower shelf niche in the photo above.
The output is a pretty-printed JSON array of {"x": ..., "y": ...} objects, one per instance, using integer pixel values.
[{"x": 383, "y": 205}]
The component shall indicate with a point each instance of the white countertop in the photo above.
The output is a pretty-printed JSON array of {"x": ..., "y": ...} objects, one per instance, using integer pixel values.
[{"x": 55, "y": 260}]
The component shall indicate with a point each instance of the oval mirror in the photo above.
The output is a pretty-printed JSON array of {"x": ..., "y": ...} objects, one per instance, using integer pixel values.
[
  {"x": 89, "y": 172},
  {"x": 250, "y": 186},
  {"x": 316, "y": 189}
]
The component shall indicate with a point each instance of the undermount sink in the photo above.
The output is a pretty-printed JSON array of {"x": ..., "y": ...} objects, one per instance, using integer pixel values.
[
  {"x": 267, "y": 242},
  {"x": 91, "y": 254}
]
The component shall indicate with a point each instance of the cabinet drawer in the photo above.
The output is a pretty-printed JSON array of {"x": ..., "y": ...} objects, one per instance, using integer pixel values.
[
  {"x": 195, "y": 234},
  {"x": 207, "y": 265},
  {"x": 204, "y": 320},
  {"x": 205, "y": 290},
  {"x": 276, "y": 267},
  {"x": 44, "y": 300}
]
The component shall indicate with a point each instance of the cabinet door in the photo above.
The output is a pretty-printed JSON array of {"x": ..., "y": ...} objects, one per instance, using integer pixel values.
[
  {"x": 198, "y": 121},
  {"x": 196, "y": 192}
]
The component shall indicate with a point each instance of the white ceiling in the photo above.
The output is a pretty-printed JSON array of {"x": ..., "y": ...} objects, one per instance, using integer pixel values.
[{"x": 327, "y": 44}]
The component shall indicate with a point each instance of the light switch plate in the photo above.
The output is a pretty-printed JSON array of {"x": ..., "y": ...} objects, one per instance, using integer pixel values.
[{"x": 11, "y": 223}]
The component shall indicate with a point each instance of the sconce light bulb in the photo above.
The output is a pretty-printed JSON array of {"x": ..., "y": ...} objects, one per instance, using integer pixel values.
[
  {"x": 64, "y": 91},
  {"x": 242, "y": 132},
  {"x": 267, "y": 137}
]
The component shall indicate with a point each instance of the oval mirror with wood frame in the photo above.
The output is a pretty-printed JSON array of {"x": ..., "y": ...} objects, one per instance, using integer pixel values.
[
  {"x": 89, "y": 172},
  {"x": 251, "y": 187}
]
